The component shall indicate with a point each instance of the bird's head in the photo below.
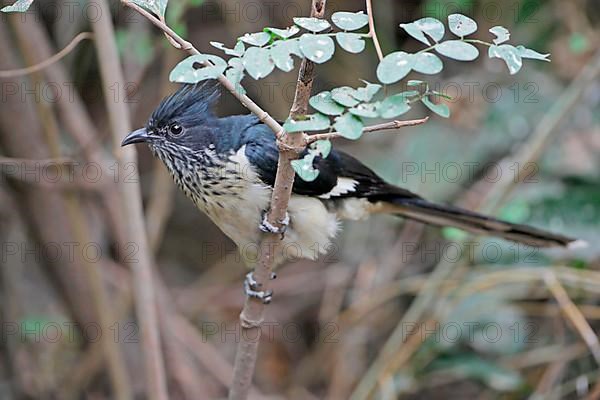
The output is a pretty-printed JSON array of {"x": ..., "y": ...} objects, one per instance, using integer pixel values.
[{"x": 181, "y": 121}]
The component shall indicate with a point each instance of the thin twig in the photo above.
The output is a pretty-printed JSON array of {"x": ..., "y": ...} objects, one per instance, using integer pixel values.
[
  {"x": 12, "y": 73},
  {"x": 573, "y": 314},
  {"x": 227, "y": 84},
  {"x": 145, "y": 299},
  {"x": 372, "y": 31},
  {"x": 373, "y": 128}
]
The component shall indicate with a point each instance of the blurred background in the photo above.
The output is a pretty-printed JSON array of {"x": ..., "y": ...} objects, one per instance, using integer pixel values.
[{"x": 406, "y": 310}]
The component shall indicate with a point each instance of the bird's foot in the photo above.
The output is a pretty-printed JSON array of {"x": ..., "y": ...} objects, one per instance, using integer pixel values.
[
  {"x": 267, "y": 227},
  {"x": 252, "y": 288}
]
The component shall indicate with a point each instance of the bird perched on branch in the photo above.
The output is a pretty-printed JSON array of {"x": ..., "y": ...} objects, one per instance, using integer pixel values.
[{"x": 227, "y": 167}]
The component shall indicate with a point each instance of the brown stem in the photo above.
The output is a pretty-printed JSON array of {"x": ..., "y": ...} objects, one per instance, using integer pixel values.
[
  {"x": 289, "y": 146},
  {"x": 145, "y": 299},
  {"x": 49, "y": 61},
  {"x": 373, "y": 128},
  {"x": 372, "y": 31}
]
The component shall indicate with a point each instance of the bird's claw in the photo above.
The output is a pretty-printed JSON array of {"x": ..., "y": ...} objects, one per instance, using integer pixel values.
[
  {"x": 252, "y": 288},
  {"x": 267, "y": 227}
]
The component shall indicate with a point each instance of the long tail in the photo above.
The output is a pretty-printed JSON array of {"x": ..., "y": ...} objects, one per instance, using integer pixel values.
[{"x": 444, "y": 215}]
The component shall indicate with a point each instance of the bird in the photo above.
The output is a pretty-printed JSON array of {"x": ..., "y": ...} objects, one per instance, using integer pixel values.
[{"x": 227, "y": 166}]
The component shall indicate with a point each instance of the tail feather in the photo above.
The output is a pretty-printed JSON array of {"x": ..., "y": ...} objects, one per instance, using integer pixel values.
[{"x": 444, "y": 215}]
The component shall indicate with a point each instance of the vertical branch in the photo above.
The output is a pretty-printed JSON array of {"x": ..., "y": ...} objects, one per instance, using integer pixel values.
[
  {"x": 290, "y": 145},
  {"x": 143, "y": 286},
  {"x": 372, "y": 31}
]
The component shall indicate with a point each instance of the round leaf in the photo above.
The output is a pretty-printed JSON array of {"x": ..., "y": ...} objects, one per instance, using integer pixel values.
[
  {"x": 431, "y": 26},
  {"x": 394, "y": 106},
  {"x": 256, "y": 39},
  {"x": 345, "y": 96},
  {"x": 158, "y": 7},
  {"x": 532, "y": 54},
  {"x": 284, "y": 33},
  {"x": 366, "y": 93},
  {"x": 281, "y": 53},
  {"x": 348, "y": 21},
  {"x": 304, "y": 168},
  {"x": 461, "y": 25},
  {"x": 394, "y": 67},
  {"x": 235, "y": 74},
  {"x": 317, "y": 48},
  {"x": 458, "y": 50},
  {"x": 509, "y": 54},
  {"x": 257, "y": 62},
  {"x": 428, "y": 63},
  {"x": 323, "y": 102},
  {"x": 351, "y": 42},
  {"x": 190, "y": 70},
  {"x": 312, "y": 24},
  {"x": 321, "y": 148},
  {"x": 314, "y": 122},
  {"x": 502, "y": 34},
  {"x": 23, "y": 5},
  {"x": 440, "y": 109},
  {"x": 366, "y": 110},
  {"x": 349, "y": 126},
  {"x": 237, "y": 51}
]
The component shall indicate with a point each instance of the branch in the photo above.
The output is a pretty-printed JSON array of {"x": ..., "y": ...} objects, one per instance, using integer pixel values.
[
  {"x": 143, "y": 285},
  {"x": 183, "y": 44},
  {"x": 12, "y": 73},
  {"x": 373, "y": 128},
  {"x": 289, "y": 147},
  {"x": 372, "y": 31}
]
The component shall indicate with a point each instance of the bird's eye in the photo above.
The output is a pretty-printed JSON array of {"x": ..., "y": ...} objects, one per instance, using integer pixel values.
[{"x": 175, "y": 129}]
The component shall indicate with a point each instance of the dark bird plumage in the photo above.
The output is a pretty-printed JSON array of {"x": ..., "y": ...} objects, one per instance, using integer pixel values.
[{"x": 227, "y": 166}]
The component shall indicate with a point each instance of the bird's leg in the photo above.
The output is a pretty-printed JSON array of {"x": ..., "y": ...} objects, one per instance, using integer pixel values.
[
  {"x": 252, "y": 288},
  {"x": 267, "y": 227}
]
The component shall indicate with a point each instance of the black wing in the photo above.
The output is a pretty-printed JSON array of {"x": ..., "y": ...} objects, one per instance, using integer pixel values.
[{"x": 261, "y": 150}]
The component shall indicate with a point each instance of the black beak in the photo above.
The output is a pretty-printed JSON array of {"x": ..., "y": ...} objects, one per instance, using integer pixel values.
[{"x": 137, "y": 136}]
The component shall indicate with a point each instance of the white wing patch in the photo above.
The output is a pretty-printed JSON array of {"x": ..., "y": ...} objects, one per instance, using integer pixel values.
[{"x": 343, "y": 186}]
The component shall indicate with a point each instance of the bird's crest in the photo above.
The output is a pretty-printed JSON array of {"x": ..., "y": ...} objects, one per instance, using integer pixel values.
[{"x": 191, "y": 105}]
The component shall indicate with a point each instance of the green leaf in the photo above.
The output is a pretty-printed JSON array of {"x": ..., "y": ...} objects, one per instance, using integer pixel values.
[
  {"x": 510, "y": 54},
  {"x": 461, "y": 25},
  {"x": 237, "y": 51},
  {"x": 440, "y": 109},
  {"x": 321, "y": 147},
  {"x": 281, "y": 53},
  {"x": 18, "y": 6},
  {"x": 458, "y": 50},
  {"x": 317, "y": 48},
  {"x": 428, "y": 63},
  {"x": 394, "y": 106},
  {"x": 190, "y": 70},
  {"x": 304, "y": 168},
  {"x": 349, "y": 126},
  {"x": 283, "y": 33},
  {"x": 256, "y": 39},
  {"x": 394, "y": 67},
  {"x": 349, "y": 21},
  {"x": 323, "y": 102},
  {"x": 312, "y": 24},
  {"x": 431, "y": 26},
  {"x": 351, "y": 42},
  {"x": 502, "y": 34},
  {"x": 313, "y": 122},
  {"x": 366, "y": 93},
  {"x": 158, "y": 7},
  {"x": 258, "y": 62},
  {"x": 236, "y": 73},
  {"x": 366, "y": 110},
  {"x": 345, "y": 96},
  {"x": 532, "y": 54}
]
